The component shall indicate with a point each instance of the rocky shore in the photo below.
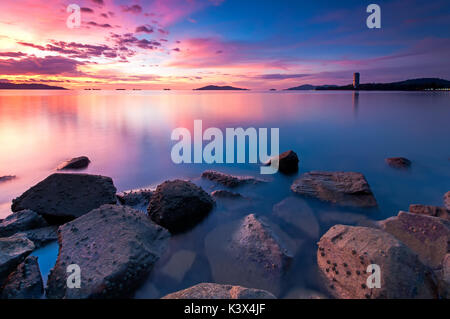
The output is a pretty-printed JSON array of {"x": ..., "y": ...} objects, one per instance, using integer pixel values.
[{"x": 117, "y": 238}]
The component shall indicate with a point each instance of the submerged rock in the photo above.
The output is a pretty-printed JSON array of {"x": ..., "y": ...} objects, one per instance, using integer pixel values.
[
  {"x": 230, "y": 181},
  {"x": 25, "y": 282},
  {"x": 427, "y": 236},
  {"x": 342, "y": 188},
  {"x": 398, "y": 162},
  {"x": 225, "y": 194},
  {"x": 75, "y": 163},
  {"x": 216, "y": 291},
  {"x": 249, "y": 252},
  {"x": 41, "y": 236},
  {"x": 21, "y": 221},
  {"x": 447, "y": 200},
  {"x": 345, "y": 252},
  {"x": 287, "y": 162},
  {"x": 63, "y": 197},
  {"x": 336, "y": 217},
  {"x": 428, "y": 210},
  {"x": 115, "y": 248},
  {"x": 179, "y": 264},
  {"x": 179, "y": 205},
  {"x": 7, "y": 178},
  {"x": 13, "y": 251},
  {"x": 297, "y": 212}
]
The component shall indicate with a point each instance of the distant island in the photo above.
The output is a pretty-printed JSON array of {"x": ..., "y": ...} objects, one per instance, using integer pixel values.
[
  {"x": 219, "y": 88},
  {"x": 28, "y": 86},
  {"x": 408, "y": 85}
]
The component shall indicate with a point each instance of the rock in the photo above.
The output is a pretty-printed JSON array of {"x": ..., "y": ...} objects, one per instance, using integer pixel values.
[
  {"x": 302, "y": 293},
  {"x": 342, "y": 188},
  {"x": 249, "y": 252},
  {"x": 63, "y": 197},
  {"x": 75, "y": 163},
  {"x": 427, "y": 236},
  {"x": 336, "y": 217},
  {"x": 20, "y": 221},
  {"x": 216, "y": 291},
  {"x": 225, "y": 194},
  {"x": 345, "y": 252},
  {"x": 7, "y": 178},
  {"x": 135, "y": 197},
  {"x": 115, "y": 248},
  {"x": 41, "y": 236},
  {"x": 398, "y": 162},
  {"x": 25, "y": 282},
  {"x": 428, "y": 210},
  {"x": 444, "y": 278},
  {"x": 230, "y": 180},
  {"x": 297, "y": 212},
  {"x": 179, "y": 205},
  {"x": 13, "y": 251},
  {"x": 287, "y": 162},
  {"x": 179, "y": 264},
  {"x": 447, "y": 200}
]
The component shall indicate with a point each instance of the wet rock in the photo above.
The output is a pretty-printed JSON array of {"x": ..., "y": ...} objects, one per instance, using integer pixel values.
[
  {"x": 444, "y": 278},
  {"x": 138, "y": 199},
  {"x": 230, "y": 181},
  {"x": 336, "y": 217},
  {"x": 41, "y": 236},
  {"x": 447, "y": 200},
  {"x": 115, "y": 247},
  {"x": 13, "y": 251},
  {"x": 249, "y": 252},
  {"x": 179, "y": 205},
  {"x": 21, "y": 221},
  {"x": 342, "y": 188},
  {"x": 225, "y": 194},
  {"x": 344, "y": 253},
  {"x": 287, "y": 162},
  {"x": 216, "y": 291},
  {"x": 302, "y": 293},
  {"x": 179, "y": 264},
  {"x": 297, "y": 212},
  {"x": 398, "y": 162},
  {"x": 25, "y": 282},
  {"x": 428, "y": 210},
  {"x": 427, "y": 236},
  {"x": 75, "y": 163},
  {"x": 63, "y": 197},
  {"x": 7, "y": 178}
]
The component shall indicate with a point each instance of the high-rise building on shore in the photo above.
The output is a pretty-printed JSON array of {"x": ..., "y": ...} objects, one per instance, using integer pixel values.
[{"x": 355, "y": 80}]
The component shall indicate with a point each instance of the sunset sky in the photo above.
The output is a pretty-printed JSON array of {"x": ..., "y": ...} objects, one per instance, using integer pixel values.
[{"x": 184, "y": 44}]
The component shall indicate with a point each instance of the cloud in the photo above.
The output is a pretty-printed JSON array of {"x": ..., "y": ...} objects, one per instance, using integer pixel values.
[
  {"x": 12, "y": 54},
  {"x": 128, "y": 39},
  {"x": 87, "y": 10},
  {"x": 100, "y": 2},
  {"x": 143, "y": 28},
  {"x": 136, "y": 9},
  {"x": 49, "y": 65},
  {"x": 95, "y": 24},
  {"x": 278, "y": 76}
]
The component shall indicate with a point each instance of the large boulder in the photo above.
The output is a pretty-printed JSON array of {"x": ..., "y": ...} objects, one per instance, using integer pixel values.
[
  {"x": 63, "y": 197},
  {"x": 345, "y": 252},
  {"x": 179, "y": 205},
  {"x": 13, "y": 251},
  {"x": 427, "y": 236},
  {"x": 447, "y": 200},
  {"x": 25, "y": 282},
  {"x": 249, "y": 252},
  {"x": 428, "y": 210},
  {"x": 21, "y": 221},
  {"x": 296, "y": 211},
  {"x": 216, "y": 291},
  {"x": 342, "y": 188},
  {"x": 74, "y": 163},
  {"x": 287, "y": 162},
  {"x": 230, "y": 181},
  {"x": 115, "y": 248},
  {"x": 398, "y": 162}
]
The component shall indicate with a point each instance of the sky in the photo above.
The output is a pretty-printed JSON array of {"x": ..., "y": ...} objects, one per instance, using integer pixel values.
[{"x": 256, "y": 44}]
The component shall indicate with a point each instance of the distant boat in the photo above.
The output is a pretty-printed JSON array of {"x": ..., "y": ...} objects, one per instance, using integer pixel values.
[
  {"x": 272, "y": 89},
  {"x": 120, "y": 89},
  {"x": 136, "y": 89},
  {"x": 166, "y": 89},
  {"x": 219, "y": 88}
]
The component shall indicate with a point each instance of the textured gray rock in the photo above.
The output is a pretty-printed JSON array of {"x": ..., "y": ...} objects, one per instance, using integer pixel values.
[
  {"x": 41, "y": 236},
  {"x": 179, "y": 205},
  {"x": 428, "y": 210},
  {"x": 447, "y": 200},
  {"x": 25, "y": 282},
  {"x": 13, "y": 251},
  {"x": 427, "y": 236},
  {"x": 297, "y": 212},
  {"x": 444, "y": 277},
  {"x": 21, "y": 221},
  {"x": 345, "y": 252},
  {"x": 342, "y": 188},
  {"x": 216, "y": 291},
  {"x": 62, "y": 197},
  {"x": 75, "y": 163},
  {"x": 230, "y": 181},
  {"x": 115, "y": 248},
  {"x": 136, "y": 197},
  {"x": 398, "y": 162},
  {"x": 249, "y": 252}
]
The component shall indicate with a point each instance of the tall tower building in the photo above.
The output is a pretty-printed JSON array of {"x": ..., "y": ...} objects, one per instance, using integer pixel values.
[{"x": 355, "y": 80}]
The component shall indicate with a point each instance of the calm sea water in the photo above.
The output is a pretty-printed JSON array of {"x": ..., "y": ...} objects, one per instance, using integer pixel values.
[{"x": 127, "y": 137}]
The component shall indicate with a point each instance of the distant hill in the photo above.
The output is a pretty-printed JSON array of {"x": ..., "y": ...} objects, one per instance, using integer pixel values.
[
  {"x": 408, "y": 85},
  {"x": 26, "y": 86},
  {"x": 310, "y": 87},
  {"x": 219, "y": 88}
]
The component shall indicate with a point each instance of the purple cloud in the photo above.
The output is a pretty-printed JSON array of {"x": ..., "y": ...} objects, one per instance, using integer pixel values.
[
  {"x": 46, "y": 65},
  {"x": 144, "y": 29}
]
